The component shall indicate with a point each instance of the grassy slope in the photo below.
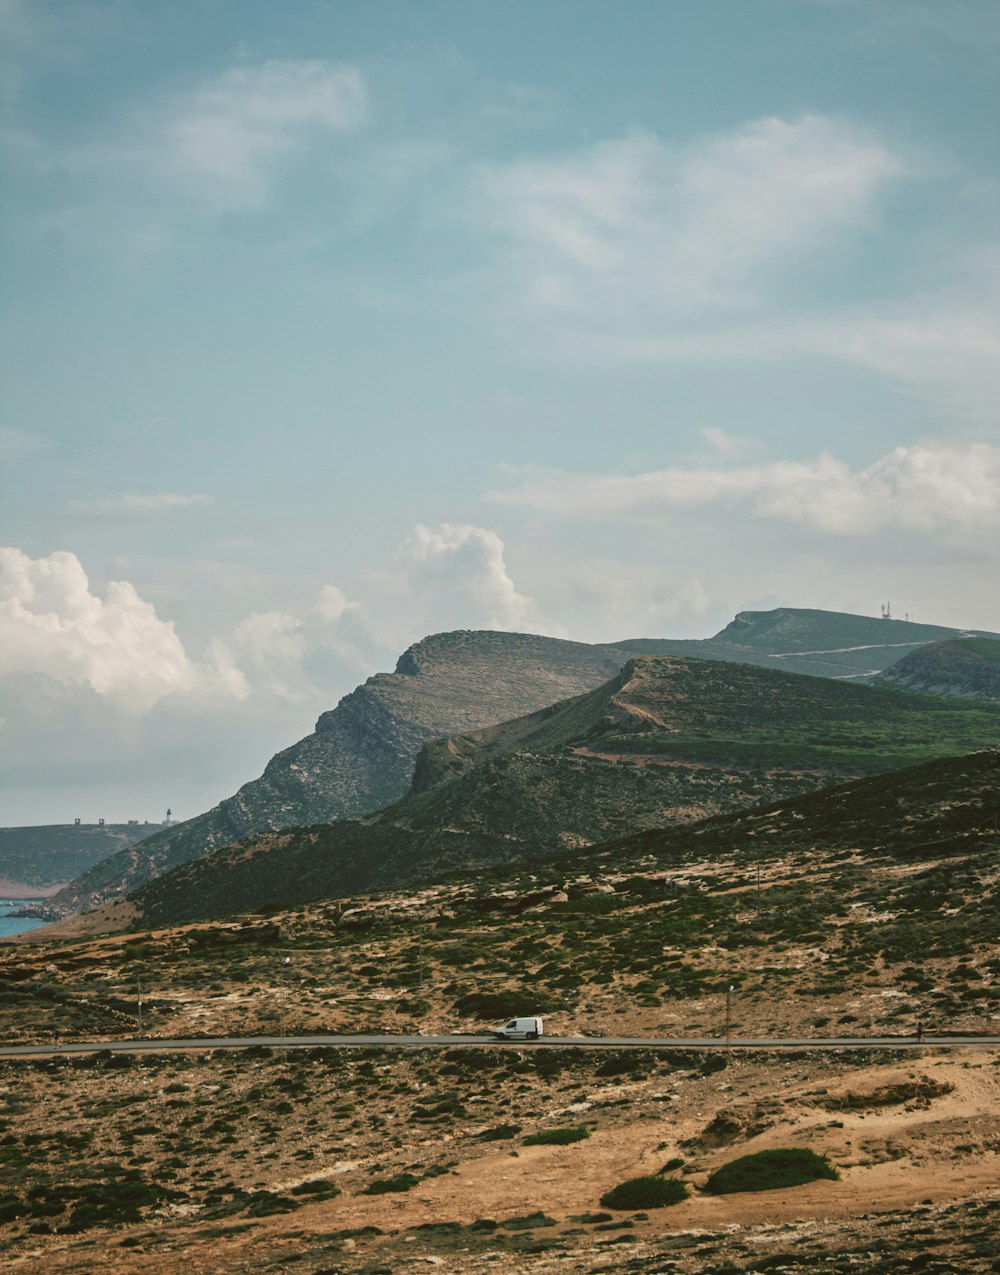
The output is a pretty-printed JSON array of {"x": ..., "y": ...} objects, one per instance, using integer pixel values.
[
  {"x": 819, "y": 643},
  {"x": 45, "y": 855},
  {"x": 361, "y": 755},
  {"x": 585, "y": 777}
]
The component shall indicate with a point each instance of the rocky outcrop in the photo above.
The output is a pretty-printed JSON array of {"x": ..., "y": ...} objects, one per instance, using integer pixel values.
[
  {"x": 361, "y": 755},
  {"x": 450, "y": 686},
  {"x": 968, "y": 668},
  {"x": 917, "y": 1093},
  {"x": 664, "y": 743}
]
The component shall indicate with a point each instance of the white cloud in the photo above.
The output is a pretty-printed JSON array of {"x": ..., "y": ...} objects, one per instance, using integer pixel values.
[
  {"x": 930, "y": 489},
  {"x": 631, "y": 250},
  {"x": 228, "y": 133},
  {"x": 51, "y": 623},
  {"x": 302, "y": 659},
  {"x": 149, "y": 503},
  {"x": 269, "y": 646},
  {"x": 458, "y": 578},
  {"x": 631, "y": 227}
]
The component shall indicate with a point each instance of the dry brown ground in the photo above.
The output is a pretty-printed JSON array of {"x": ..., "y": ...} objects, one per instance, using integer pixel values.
[{"x": 913, "y": 1170}]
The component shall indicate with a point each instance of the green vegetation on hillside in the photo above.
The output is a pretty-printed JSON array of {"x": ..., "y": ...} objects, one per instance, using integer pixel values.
[
  {"x": 53, "y": 853},
  {"x": 771, "y": 1171},
  {"x": 361, "y": 756},
  {"x": 984, "y": 648},
  {"x": 594, "y": 767},
  {"x": 645, "y": 1193}
]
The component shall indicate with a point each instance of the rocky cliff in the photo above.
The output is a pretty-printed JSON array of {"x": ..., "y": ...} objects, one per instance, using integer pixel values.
[
  {"x": 964, "y": 667},
  {"x": 666, "y": 742},
  {"x": 360, "y": 756},
  {"x": 362, "y": 753}
]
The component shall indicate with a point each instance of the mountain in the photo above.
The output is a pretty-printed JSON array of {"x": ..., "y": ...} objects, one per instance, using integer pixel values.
[
  {"x": 41, "y": 857},
  {"x": 965, "y": 667},
  {"x": 817, "y": 643},
  {"x": 361, "y": 755},
  {"x": 667, "y": 742}
]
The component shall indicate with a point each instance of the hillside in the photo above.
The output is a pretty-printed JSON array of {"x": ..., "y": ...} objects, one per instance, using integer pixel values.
[
  {"x": 965, "y": 667},
  {"x": 361, "y": 755},
  {"x": 52, "y": 854},
  {"x": 817, "y": 643},
  {"x": 668, "y": 741},
  {"x": 858, "y": 911}
]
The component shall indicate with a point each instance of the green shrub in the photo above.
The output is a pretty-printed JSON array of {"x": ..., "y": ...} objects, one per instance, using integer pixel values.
[
  {"x": 770, "y": 1171},
  {"x": 398, "y": 1182},
  {"x": 618, "y": 1065},
  {"x": 317, "y": 1186},
  {"x": 499, "y": 1133},
  {"x": 645, "y": 1193},
  {"x": 557, "y": 1137},
  {"x": 501, "y": 1004}
]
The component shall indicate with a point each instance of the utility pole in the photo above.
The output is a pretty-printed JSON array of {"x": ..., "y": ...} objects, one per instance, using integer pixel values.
[
  {"x": 758, "y": 889},
  {"x": 729, "y": 1016},
  {"x": 138, "y": 999}
]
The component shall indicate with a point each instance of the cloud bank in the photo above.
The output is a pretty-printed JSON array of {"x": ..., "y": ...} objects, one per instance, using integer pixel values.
[
  {"x": 953, "y": 491},
  {"x": 52, "y": 623}
]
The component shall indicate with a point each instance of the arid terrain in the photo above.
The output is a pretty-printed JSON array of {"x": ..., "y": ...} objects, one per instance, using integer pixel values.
[
  {"x": 265, "y": 1161},
  {"x": 369, "y": 1160}
]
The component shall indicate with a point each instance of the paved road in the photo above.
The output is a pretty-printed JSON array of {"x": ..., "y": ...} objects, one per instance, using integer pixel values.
[{"x": 576, "y": 1042}]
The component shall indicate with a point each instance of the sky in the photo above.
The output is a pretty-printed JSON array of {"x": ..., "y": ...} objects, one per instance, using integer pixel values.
[{"x": 331, "y": 324}]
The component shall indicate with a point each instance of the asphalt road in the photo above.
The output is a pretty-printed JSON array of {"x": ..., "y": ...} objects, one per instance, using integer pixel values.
[{"x": 152, "y": 1046}]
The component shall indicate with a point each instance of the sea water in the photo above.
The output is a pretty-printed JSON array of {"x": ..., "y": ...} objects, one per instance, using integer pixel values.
[{"x": 16, "y": 924}]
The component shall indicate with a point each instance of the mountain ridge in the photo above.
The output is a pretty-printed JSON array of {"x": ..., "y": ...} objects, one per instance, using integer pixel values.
[
  {"x": 362, "y": 754},
  {"x": 667, "y": 741}
]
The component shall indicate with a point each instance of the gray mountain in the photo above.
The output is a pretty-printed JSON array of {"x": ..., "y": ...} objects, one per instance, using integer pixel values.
[
  {"x": 665, "y": 742},
  {"x": 361, "y": 755}
]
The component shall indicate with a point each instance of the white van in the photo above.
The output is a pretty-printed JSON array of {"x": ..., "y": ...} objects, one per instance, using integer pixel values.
[{"x": 520, "y": 1029}]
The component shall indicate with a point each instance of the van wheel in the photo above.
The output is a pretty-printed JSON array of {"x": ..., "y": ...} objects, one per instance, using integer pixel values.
[{"x": 531, "y": 1036}]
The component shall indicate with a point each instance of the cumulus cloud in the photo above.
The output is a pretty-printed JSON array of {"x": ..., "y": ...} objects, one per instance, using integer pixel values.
[
  {"x": 52, "y": 623},
  {"x": 458, "y": 577},
  {"x": 931, "y": 489},
  {"x": 97, "y": 685},
  {"x": 228, "y": 133},
  {"x": 300, "y": 658}
]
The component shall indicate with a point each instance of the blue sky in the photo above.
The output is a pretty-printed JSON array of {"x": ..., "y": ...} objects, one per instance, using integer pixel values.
[{"x": 328, "y": 325}]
